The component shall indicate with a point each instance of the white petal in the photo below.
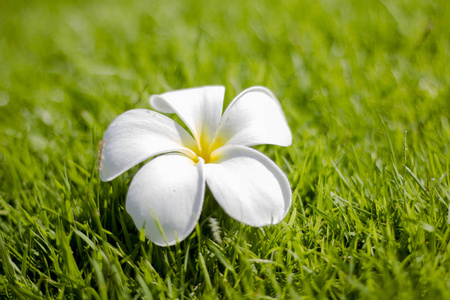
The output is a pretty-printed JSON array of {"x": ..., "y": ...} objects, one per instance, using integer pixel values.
[
  {"x": 200, "y": 108},
  {"x": 137, "y": 135},
  {"x": 248, "y": 185},
  {"x": 254, "y": 117},
  {"x": 170, "y": 189}
]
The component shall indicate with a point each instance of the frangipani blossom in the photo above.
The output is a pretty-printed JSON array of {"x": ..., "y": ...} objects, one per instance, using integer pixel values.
[{"x": 166, "y": 195}]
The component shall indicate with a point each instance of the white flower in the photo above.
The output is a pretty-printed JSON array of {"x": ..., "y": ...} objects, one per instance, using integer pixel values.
[{"x": 166, "y": 195}]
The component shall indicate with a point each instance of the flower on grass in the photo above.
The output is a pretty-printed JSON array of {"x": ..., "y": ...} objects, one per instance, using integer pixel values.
[{"x": 166, "y": 195}]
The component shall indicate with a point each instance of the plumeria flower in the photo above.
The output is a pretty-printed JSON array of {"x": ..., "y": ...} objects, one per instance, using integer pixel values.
[{"x": 166, "y": 195}]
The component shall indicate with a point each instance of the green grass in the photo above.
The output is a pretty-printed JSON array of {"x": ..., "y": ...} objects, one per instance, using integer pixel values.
[{"x": 365, "y": 87}]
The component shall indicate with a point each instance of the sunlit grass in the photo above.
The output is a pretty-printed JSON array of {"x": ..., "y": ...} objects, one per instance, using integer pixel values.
[{"x": 365, "y": 87}]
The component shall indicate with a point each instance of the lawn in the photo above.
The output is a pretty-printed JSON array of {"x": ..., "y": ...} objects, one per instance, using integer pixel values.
[{"x": 365, "y": 86}]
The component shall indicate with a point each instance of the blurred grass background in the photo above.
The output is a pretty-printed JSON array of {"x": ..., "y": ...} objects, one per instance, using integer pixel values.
[{"x": 365, "y": 87}]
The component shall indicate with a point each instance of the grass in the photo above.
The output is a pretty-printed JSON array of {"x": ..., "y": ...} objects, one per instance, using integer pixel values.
[{"x": 365, "y": 87}]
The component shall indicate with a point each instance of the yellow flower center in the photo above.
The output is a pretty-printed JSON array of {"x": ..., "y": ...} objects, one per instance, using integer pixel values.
[{"x": 205, "y": 148}]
